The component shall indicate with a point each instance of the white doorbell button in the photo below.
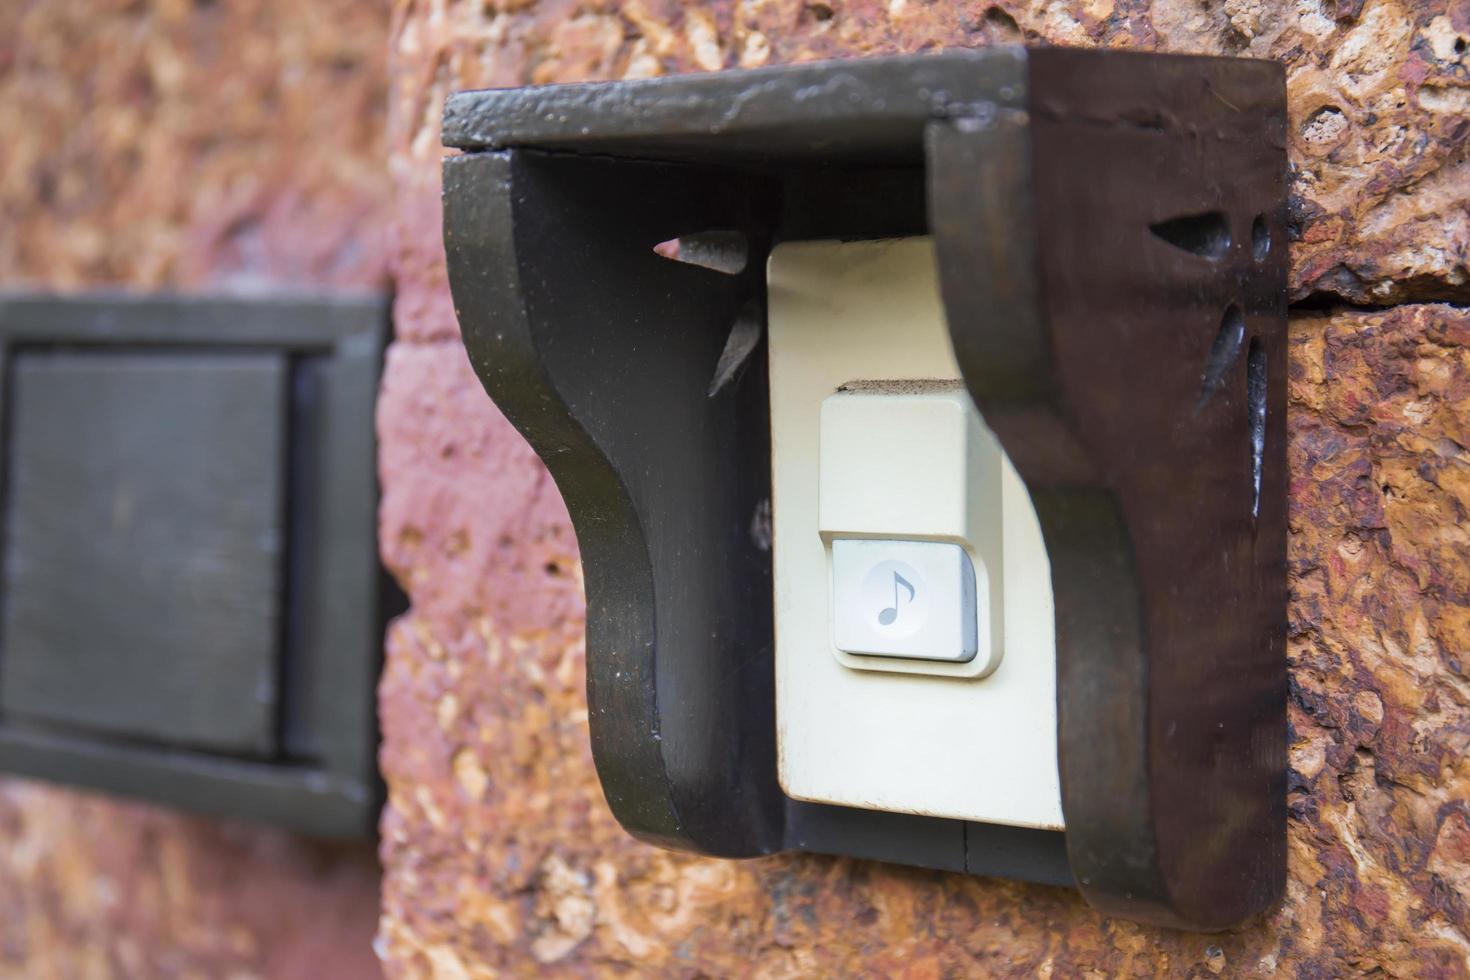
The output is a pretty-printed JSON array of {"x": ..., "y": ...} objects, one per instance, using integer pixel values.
[{"x": 903, "y": 599}]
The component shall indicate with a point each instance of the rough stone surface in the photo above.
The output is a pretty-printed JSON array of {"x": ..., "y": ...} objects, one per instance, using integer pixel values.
[
  {"x": 189, "y": 144},
  {"x": 92, "y": 887},
  {"x": 192, "y": 143},
  {"x": 1379, "y": 99},
  {"x": 500, "y": 855}
]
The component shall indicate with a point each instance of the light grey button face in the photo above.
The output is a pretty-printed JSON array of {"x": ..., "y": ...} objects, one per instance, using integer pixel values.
[{"x": 912, "y": 599}]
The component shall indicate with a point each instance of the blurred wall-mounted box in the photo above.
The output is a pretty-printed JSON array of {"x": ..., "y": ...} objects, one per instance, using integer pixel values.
[{"x": 191, "y": 603}]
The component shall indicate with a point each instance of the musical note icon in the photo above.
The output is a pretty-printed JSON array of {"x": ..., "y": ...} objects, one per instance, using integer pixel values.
[{"x": 887, "y": 616}]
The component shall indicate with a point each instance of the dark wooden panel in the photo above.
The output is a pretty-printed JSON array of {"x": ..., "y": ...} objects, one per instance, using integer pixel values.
[
  {"x": 145, "y": 536},
  {"x": 308, "y": 799},
  {"x": 662, "y": 477},
  {"x": 302, "y": 742},
  {"x": 1103, "y": 316},
  {"x": 278, "y": 321},
  {"x": 871, "y": 112}
]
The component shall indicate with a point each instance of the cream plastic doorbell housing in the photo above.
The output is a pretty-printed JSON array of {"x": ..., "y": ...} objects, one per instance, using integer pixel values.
[
  {"x": 881, "y": 471},
  {"x": 922, "y": 422}
]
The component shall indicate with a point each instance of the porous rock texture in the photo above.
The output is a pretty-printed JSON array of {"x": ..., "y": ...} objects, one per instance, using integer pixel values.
[
  {"x": 500, "y": 856},
  {"x": 200, "y": 145},
  {"x": 219, "y": 144}
]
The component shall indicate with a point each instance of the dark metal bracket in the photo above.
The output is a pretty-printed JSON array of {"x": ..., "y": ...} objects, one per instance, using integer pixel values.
[{"x": 1111, "y": 244}]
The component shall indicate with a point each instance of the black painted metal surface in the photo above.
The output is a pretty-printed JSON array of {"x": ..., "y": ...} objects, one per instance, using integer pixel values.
[
  {"x": 191, "y": 591},
  {"x": 1112, "y": 258}
]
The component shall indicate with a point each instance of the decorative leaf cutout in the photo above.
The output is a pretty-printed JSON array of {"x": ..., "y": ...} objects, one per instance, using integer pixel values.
[
  {"x": 1255, "y": 393},
  {"x": 1206, "y": 235},
  {"x": 1223, "y": 352}
]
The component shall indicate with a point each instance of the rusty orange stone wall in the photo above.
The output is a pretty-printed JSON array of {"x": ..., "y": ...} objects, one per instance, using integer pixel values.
[
  {"x": 207, "y": 145},
  {"x": 500, "y": 856},
  {"x": 236, "y": 144}
]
